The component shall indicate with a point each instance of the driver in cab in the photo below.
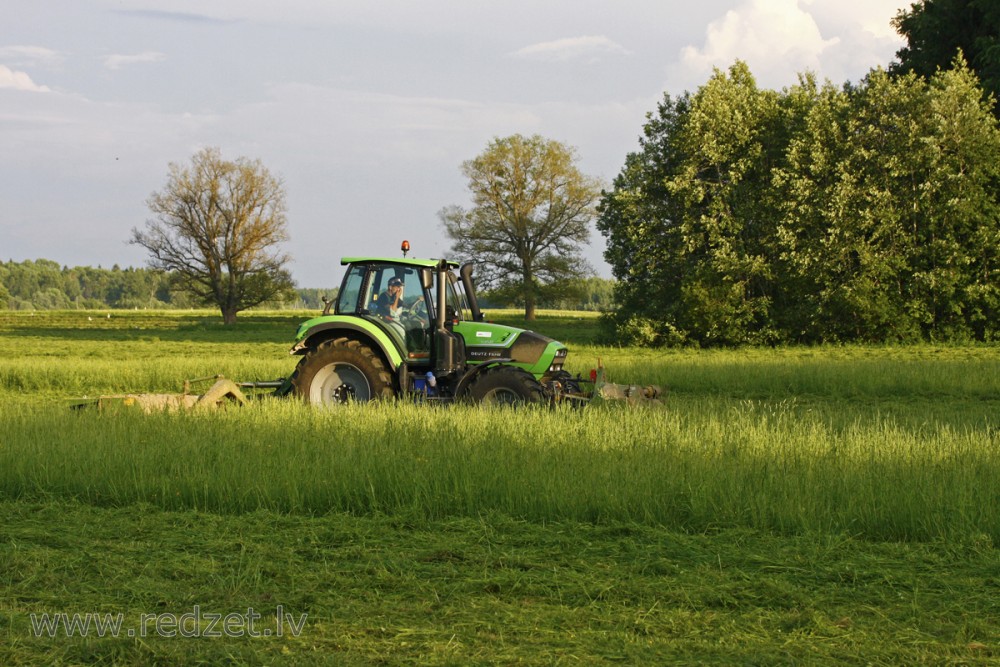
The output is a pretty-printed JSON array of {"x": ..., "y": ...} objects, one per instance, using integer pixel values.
[
  {"x": 390, "y": 302},
  {"x": 406, "y": 320}
]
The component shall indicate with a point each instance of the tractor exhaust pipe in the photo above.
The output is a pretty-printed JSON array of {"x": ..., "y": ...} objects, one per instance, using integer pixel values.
[
  {"x": 470, "y": 291},
  {"x": 449, "y": 350},
  {"x": 442, "y": 296}
]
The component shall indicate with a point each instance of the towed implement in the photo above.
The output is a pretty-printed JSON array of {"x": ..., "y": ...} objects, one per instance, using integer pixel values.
[
  {"x": 221, "y": 393},
  {"x": 412, "y": 327}
]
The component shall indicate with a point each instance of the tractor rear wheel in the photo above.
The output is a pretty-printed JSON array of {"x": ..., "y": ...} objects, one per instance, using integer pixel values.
[
  {"x": 506, "y": 385},
  {"x": 339, "y": 371}
]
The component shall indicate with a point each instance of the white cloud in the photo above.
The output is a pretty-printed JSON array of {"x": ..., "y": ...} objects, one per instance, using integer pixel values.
[
  {"x": 30, "y": 55},
  {"x": 867, "y": 36},
  {"x": 19, "y": 81},
  {"x": 590, "y": 47},
  {"x": 873, "y": 17},
  {"x": 777, "y": 38},
  {"x": 117, "y": 61}
]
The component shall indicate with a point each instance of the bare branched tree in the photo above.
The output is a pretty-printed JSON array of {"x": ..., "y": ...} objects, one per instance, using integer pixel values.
[{"x": 217, "y": 228}]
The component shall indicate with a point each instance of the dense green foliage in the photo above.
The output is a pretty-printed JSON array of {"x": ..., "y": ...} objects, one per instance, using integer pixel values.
[
  {"x": 867, "y": 213},
  {"x": 43, "y": 285},
  {"x": 935, "y": 30}
]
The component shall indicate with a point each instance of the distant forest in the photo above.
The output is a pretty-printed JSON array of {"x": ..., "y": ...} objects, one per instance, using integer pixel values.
[{"x": 46, "y": 285}]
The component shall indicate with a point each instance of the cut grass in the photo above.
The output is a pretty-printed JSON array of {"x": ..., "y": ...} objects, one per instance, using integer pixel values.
[{"x": 489, "y": 589}]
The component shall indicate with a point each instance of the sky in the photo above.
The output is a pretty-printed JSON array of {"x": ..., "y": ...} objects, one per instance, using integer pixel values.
[{"x": 365, "y": 110}]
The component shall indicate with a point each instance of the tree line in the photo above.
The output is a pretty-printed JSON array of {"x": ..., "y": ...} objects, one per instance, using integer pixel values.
[
  {"x": 865, "y": 212},
  {"x": 589, "y": 293},
  {"x": 46, "y": 285}
]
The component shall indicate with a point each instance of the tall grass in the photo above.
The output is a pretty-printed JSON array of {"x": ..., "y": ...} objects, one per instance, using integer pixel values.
[
  {"x": 759, "y": 467},
  {"x": 887, "y": 443}
]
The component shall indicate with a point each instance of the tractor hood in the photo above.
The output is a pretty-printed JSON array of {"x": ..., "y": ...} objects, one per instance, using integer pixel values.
[{"x": 532, "y": 351}]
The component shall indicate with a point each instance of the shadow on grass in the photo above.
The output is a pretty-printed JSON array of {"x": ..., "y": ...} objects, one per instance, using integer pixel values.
[{"x": 129, "y": 326}]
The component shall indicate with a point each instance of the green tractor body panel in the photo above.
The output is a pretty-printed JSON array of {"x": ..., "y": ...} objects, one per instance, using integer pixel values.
[
  {"x": 483, "y": 342},
  {"x": 348, "y": 323},
  {"x": 531, "y": 351}
]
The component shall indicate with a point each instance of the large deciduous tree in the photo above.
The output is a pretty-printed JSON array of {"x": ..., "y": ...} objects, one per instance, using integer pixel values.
[
  {"x": 217, "y": 228},
  {"x": 867, "y": 213},
  {"x": 935, "y": 30},
  {"x": 955, "y": 289},
  {"x": 688, "y": 223},
  {"x": 532, "y": 210},
  {"x": 729, "y": 143},
  {"x": 842, "y": 238}
]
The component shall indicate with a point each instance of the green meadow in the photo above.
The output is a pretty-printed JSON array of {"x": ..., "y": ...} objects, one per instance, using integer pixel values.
[{"x": 788, "y": 505}]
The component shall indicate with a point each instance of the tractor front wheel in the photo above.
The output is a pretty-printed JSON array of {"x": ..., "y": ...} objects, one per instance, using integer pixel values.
[
  {"x": 506, "y": 385},
  {"x": 339, "y": 371}
]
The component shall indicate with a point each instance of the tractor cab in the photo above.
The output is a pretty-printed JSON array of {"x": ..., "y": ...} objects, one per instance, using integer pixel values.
[
  {"x": 400, "y": 298},
  {"x": 395, "y": 297}
]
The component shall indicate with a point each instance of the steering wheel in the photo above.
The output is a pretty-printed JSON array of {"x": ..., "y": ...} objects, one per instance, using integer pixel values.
[
  {"x": 417, "y": 311},
  {"x": 411, "y": 320}
]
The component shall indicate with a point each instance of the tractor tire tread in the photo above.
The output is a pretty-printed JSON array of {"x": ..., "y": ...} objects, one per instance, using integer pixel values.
[
  {"x": 517, "y": 379},
  {"x": 381, "y": 380}
]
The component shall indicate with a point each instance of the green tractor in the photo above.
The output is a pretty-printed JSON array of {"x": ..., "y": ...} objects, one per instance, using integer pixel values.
[
  {"x": 413, "y": 326},
  {"x": 407, "y": 327}
]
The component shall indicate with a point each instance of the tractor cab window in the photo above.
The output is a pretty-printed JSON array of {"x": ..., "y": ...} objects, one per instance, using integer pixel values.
[
  {"x": 347, "y": 301},
  {"x": 463, "y": 301},
  {"x": 456, "y": 298},
  {"x": 394, "y": 289},
  {"x": 453, "y": 298}
]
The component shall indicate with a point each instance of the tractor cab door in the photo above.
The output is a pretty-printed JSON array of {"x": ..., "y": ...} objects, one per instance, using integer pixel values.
[{"x": 396, "y": 300}]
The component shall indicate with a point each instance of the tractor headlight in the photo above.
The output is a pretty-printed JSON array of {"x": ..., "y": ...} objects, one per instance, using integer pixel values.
[{"x": 557, "y": 363}]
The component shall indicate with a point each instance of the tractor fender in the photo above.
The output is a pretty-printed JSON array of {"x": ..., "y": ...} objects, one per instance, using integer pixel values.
[
  {"x": 474, "y": 372},
  {"x": 313, "y": 332}
]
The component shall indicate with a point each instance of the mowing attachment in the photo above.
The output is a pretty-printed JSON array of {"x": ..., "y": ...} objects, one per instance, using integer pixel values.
[
  {"x": 579, "y": 391},
  {"x": 222, "y": 392}
]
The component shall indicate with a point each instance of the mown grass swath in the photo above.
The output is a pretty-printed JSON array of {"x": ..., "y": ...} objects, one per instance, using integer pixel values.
[{"x": 489, "y": 590}]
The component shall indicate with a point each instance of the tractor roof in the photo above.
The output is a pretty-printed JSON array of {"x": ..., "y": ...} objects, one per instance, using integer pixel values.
[{"x": 408, "y": 261}]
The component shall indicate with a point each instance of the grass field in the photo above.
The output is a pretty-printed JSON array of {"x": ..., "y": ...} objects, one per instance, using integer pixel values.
[{"x": 835, "y": 504}]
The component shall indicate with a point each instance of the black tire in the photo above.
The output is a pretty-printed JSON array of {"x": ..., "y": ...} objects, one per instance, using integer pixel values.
[
  {"x": 506, "y": 385},
  {"x": 341, "y": 370}
]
